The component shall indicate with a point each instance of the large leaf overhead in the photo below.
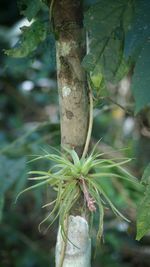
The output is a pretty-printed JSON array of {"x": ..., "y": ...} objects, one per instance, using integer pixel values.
[
  {"x": 99, "y": 19},
  {"x": 141, "y": 79},
  {"x": 119, "y": 34},
  {"x": 139, "y": 30},
  {"x": 103, "y": 22}
]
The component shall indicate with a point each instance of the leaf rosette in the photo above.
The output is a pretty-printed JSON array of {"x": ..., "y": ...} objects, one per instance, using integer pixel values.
[{"x": 71, "y": 177}]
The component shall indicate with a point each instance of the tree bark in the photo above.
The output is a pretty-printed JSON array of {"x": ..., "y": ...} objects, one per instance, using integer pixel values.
[
  {"x": 78, "y": 251},
  {"x": 70, "y": 50},
  {"x": 73, "y": 100}
]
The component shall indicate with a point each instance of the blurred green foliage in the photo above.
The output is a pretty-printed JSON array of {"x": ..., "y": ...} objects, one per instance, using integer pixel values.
[
  {"x": 118, "y": 35},
  {"x": 29, "y": 122}
]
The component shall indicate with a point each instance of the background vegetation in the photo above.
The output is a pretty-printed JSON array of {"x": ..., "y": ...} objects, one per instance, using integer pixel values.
[{"x": 29, "y": 122}]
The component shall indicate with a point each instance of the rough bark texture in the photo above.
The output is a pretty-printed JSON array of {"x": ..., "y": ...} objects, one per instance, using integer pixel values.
[{"x": 70, "y": 49}]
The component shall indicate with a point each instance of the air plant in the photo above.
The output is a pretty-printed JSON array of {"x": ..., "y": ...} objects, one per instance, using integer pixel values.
[{"x": 72, "y": 177}]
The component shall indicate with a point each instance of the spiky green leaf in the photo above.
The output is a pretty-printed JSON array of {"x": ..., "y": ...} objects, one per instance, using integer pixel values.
[{"x": 66, "y": 178}]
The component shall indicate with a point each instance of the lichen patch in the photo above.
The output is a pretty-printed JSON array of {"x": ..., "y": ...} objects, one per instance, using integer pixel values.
[
  {"x": 66, "y": 91},
  {"x": 64, "y": 48}
]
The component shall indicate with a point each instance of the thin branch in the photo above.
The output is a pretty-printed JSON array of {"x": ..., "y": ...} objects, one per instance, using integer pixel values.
[
  {"x": 88, "y": 138},
  {"x": 129, "y": 112}
]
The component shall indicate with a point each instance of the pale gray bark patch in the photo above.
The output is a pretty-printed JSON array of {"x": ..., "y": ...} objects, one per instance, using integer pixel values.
[{"x": 78, "y": 251}]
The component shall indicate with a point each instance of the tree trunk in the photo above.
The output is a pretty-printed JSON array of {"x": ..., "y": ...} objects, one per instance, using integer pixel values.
[
  {"x": 73, "y": 99},
  {"x": 70, "y": 49}
]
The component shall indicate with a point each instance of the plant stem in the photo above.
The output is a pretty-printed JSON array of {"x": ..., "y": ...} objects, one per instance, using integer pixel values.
[{"x": 88, "y": 138}]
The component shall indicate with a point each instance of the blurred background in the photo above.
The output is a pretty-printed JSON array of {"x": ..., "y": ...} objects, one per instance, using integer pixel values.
[{"x": 29, "y": 123}]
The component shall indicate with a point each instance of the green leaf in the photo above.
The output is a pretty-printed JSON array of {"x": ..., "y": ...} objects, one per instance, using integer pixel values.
[
  {"x": 31, "y": 188},
  {"x": 104, "y": 59},
  {"x": 122, "y": 70},
  {"x": 31, "y": 37},
  {"x": 103, "y": 21},
  {"x": 96, "y": 77},
  {"x": 128, "y": 15},
  {"x": 140, "y": 85},
  {"x": 139, "y": 29},
  {"x": 143, "y": 215},
  {"x": 92, "y": 58},
  {"x": 102, "y": 18},
  {"x": 146, "y": 175},
  {"x": 111, "y": 58},
  {"x": 30, "y": 8}
]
